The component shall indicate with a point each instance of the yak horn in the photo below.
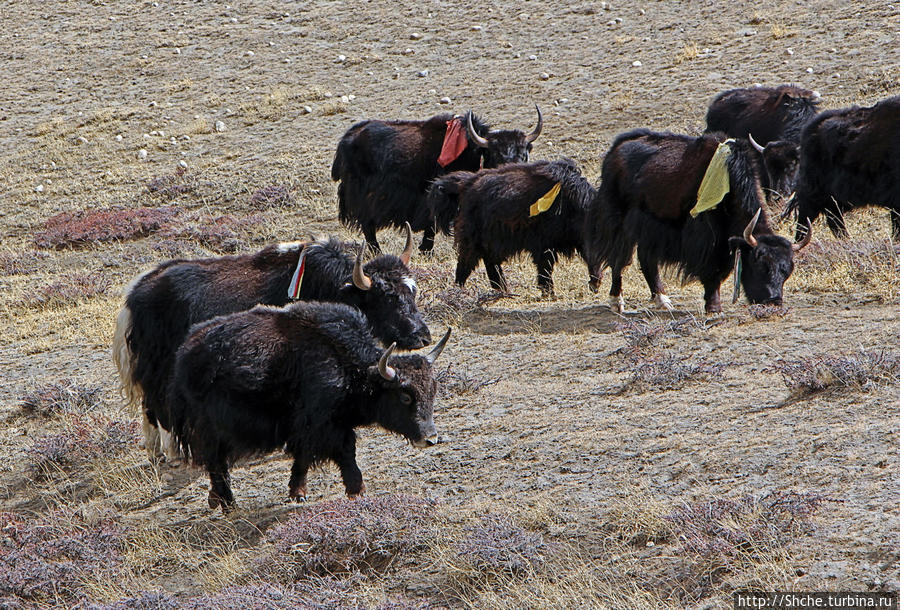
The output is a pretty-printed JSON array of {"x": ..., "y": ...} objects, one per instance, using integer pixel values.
[
  {"x": 537, "y": 128},
  {"x": 407, "y": 250},
  {"x": 755, "y": 144},
  {"x": 386, "y": 371},
  {"x": 748, "y": 231},
  {"x": 360, "y": 279},
  {"x": 437, "y": 349},
  {"x": 805, "y": 241},
  {"x": 480, "y": 141}
]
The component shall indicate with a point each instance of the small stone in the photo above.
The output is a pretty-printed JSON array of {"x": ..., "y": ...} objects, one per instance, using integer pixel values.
[
  {"x": 407, "y": 51},
  {"x": 789, "y": 51},
  {"x": 611, "y": 22},
  {"x": 172, "y": 140},
  {"x": 444, "y": 100},
  {"x": 432, "y": 91},
  {"x": 476, "y": 28},
  {"x": 177, "y": 51},
  {"x": 345, "y": 99},
  {"x": 220, "y": 126},
  {"x": 422, "y": 73},
  {"x": 746, "y": 32},
  {"x": 351, "y": 97},
  {"x": 82, "y": 140},
  {"x": 249, "y": 53},
  {"x": 618, "y": 20},
  {"x": 119, "y": 138},
  {"x": 636, "y": 64},
  {"x": 142, "y": 154},
  {"x": 152, "y": 104},
  {"x": 809, "y": 70},
  {"x": 544, "y": 76},
  {"x": 604, "y": 6},
  {"x": 307, "y": 110},
  {"x": 39, "y": 188},
  {"x": 415, "y": 36},
  {"x": 532, "y": 57},
  {"x": 161, "y": 133},
  {"x": 342, "y": 58},
  {"x": 233, "y": 20}
]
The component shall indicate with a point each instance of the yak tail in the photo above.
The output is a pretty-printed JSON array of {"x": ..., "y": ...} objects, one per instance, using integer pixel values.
[{"x": 124, "y": 360}]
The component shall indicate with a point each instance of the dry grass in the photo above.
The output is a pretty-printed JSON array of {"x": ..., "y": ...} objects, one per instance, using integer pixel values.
[
  {"x": 62, "y": 397},
  {"x": 688, "y": 52},
  {"x": 860, "y": 370}
]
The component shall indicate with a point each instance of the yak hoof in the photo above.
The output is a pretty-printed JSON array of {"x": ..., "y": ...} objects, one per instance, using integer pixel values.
[
  {"x": 617, "y": 304},
  {"x": 359, "y": 494},
  {"x": 663, "y": 301},
  {"x": 298, "y": 494},
  {"x": 215, "y": 501}
]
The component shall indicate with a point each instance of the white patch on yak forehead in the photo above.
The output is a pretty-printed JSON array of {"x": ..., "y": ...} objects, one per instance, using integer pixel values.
[
  {"x": 288, "y": 246},
  {"x": 411, "y": 284}
]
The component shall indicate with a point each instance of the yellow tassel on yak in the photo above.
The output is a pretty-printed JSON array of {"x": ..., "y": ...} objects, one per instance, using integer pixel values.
[
  {"x": 543, "y": 204},
  {"x": 715, "y": 184}
]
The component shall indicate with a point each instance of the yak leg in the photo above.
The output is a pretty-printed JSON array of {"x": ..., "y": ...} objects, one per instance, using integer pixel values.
[
  {"x": 616, "y": 300},
  {"x": 495, "y": 275},
  {"x": 650, "y": 269},
  {"x": 895, "y": 225},
  {"x": 220, "y": 486},
  {"x": 371, "y": 239},
  {"x": 595, "y": 276},
  {"x": 427, "y": 240},
  {"x": 544, "y": 262},
  {"x": 151, "y": 438},
  {"x": 834, "y": 218},
  {"x": 711, "y": 297},
  {"x": 465, "y": 265},
  {"x": 297, "y": 484},
  {"x": 346, "y": 461}
]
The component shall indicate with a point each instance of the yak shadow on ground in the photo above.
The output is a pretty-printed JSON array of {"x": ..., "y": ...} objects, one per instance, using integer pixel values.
[{"x": 592, "y": 318}]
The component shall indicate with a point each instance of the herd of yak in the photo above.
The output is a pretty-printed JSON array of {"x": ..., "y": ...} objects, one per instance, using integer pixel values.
[{"x": 283, "y": 349}]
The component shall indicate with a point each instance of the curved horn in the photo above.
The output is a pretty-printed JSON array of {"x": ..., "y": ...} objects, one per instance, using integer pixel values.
[
  {"x": 537, "y": 128},
  {"x": 480, "y": 141},
  {"x": 755, "y": 144},
  {"x": 437, "y": 349},
  {"x": 360, "y": 279},
  {"x": 407, "y": 250},
  {"x": 805, "y": 241},
  {"x": 748, "y": 231},
  {"x": 386, "y": 371}
]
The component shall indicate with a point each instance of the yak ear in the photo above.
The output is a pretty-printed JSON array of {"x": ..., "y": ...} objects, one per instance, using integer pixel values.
[{"x": 736, "y": 242}]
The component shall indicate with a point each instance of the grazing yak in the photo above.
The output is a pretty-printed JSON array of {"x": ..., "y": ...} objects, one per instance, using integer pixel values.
[
  {"x": 386, "y": 167},
  {"x": 298, "y": 378},
  {"x": 162, "y": 304},
  {"x": 772, "y": 118},
  {"x": 495, "y": 214},
  {"x": 650, "y": 196},
  {"x": 850, "y": 158}
]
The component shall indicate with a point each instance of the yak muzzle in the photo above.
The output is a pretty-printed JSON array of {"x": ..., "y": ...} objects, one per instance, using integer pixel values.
[{"x": 428, "y": 441}]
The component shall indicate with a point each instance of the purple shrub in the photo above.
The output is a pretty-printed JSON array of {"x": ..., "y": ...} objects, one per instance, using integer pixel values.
[
  {"x": 61, "y": 397},
  {"x": 497, "y": 545},
  {"x": 222, "y": 234},
  {"x": 346, "y": 535},
  {"x": 172, "y": 186},
  {"x": 45, "y": 560},
  {"x": 271, "y": 196},
  {"x": 82, "y": 440},
  {"x": 72, "y": 288},
  {"x": 72, "y": 229},
  {"x": 22, "y": 263}
]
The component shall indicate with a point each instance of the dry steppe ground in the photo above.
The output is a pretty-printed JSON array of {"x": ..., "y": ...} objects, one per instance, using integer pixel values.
[{"x": 589, "y": 459}]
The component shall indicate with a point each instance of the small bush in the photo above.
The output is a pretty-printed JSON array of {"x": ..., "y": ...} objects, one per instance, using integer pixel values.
[
  {"x": 171, "y": 186},
  {"x": 640, "y": 335},
  {"x": 346, "y": 535},
  {"x": 62, "y": 397},
  {"x": 862, "y": 369},
  {"x": 497, "y": 545},
  {"x": 668, "y": 371},
  {"x": 760, "y": 311},
  {"x": 72, "y": 288},
  {"x": 271, "y": 196},
  {"x": 22, "y": 263},
  {"x": 455, "y": 382},
  {"x": 47, "y": 560},
  {"x": 222, "y": 234},
  {"x": 72, "y": 229},
  {"x": 82, "y": 440}
]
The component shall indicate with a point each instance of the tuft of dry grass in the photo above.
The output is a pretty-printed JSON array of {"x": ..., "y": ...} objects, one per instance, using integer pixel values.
[
  {"x": 171, "y": 186},
  {"x": 274, "y": 195},
  {"x": 689, "y": 51},
  {"x": 62, "y": 397},
  {"x": 456, "y": 382},
  {"x": 222, "y": 234},
  {"x": 21, "y": 263},
  {"x": 83, "y": 439},
  {"x": 497, "y": 545},
  {"x": 862, "y": 369},
  {"x": 82, "y": 227}
]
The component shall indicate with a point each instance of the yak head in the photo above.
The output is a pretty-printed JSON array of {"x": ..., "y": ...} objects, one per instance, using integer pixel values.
[
  {"x": 503, "y": 146},
  {"x": 385, "y": 291},
  {"x": 763, "y": 263},
  {"x": 405, "y": 398},
  {"x": 781, "y": 160}
]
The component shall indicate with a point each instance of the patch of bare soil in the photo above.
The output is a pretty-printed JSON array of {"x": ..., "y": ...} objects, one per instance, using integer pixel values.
[{"x": 588, "y": 459}]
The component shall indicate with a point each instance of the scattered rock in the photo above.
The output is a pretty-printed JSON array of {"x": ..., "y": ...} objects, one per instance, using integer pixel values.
[
  {"x": 341, "y": 59},
  {"x": 636, "y": 64},
  {"x": 746, "y": 32},
  {"x": 544, "y": 76},
  {"x": 220, "y": 126},
  {"x": 182, "y": 164},
  {"x": 532, "y": 57},
  {"x": 444, "y": 100},
  {"x": 39, "y": 188},
  {"x": 118, "y": 137},
  {"x": 809, "y": 70},
  {"x": 789, "y": 51},
  {"x": 422, "y": 73},
  {"x": 415, "y": 36},
  {"x": 407, "y": 51},
  {"x": 476, "y": 28},
  {"x": 83, "y": 140},
  {"x": 142, "y": 154}
]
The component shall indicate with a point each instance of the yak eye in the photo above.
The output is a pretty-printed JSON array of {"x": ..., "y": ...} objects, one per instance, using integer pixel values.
[{"x": 405, "y": 398}]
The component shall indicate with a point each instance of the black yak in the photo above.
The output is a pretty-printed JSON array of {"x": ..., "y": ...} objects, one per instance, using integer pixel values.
[
  {"x": 386, "y": 167},
  {"x": 772, "y": 118},
  {"x": 649, "y": 185},
  {"x": 298, "y": 378},
  {"x": 850, "y": 158},
  {"x": 162, "y": 304},
  {"x": 495, "y": 214}
]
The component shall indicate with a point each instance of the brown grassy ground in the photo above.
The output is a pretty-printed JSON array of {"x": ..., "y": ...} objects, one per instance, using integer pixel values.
[{"x": 589, "y": 459}]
